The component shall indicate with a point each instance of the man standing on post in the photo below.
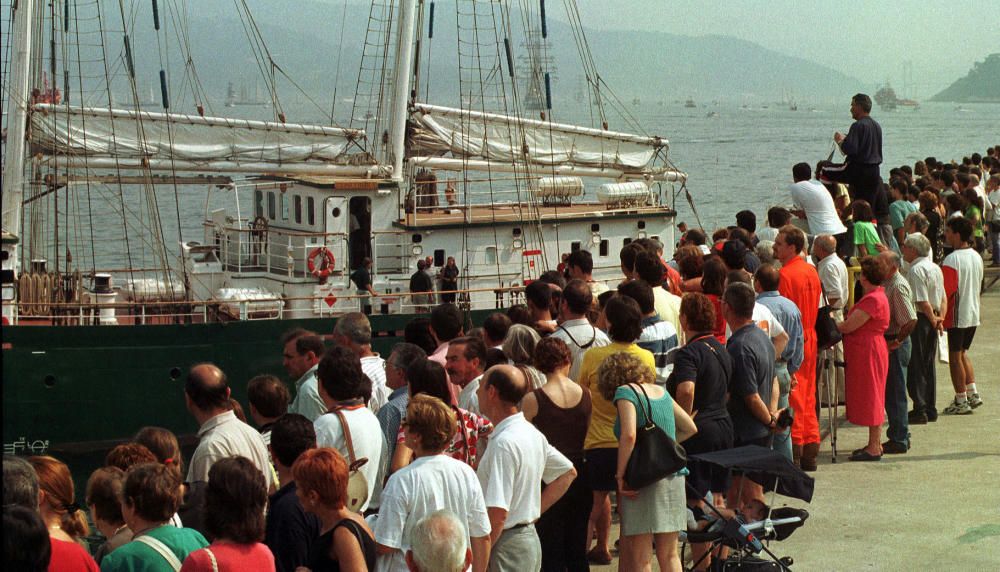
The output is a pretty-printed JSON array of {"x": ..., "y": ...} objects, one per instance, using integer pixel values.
[
  {"x": 963, "y": 277},
  {"x": 927, "y": 285},
  {"x": 517, "y": 460},
  {"x": 302, "y": 350},
  {"x": 862, "y": 147},
  {"x": 800, "y": 284},
  {"x": 902, "y": 321}
]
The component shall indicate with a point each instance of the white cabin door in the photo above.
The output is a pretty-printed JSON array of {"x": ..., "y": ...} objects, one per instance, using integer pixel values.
[{"x": 336, "y": 217}]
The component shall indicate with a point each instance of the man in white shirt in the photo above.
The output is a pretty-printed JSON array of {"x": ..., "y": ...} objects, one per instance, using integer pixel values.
[
  {"x": 220, "y": 433},
  {"x": 578, "y": 333},
  {"x": 814, "y": 203},
  {"x": 354, "y": 332},
  {"x": 342, "y": 386},
  {"x": 836, "y": 287},
  {"x": 927, "y": 286},
  {"x": 963, "y": 277},
  {"x": 302, "y": 350},
  {"x": 517, "y": 460},
  {"x": 432, "y": 482},
  {"x": 466, "y": 359}
]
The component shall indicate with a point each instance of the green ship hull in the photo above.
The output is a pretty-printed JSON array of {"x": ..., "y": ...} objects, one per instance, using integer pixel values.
[{"x": 75, "y": 392}]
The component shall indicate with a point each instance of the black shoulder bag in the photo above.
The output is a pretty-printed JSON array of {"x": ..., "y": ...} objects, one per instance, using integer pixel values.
[
  {"x": 827, "y": 334},
  {"x": 656, "y": 455}
]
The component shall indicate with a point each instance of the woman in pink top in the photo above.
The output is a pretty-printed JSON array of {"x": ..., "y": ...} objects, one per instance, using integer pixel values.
[
  {"x": 867, "y": 357},
  {"x": 234, "y": 519}
]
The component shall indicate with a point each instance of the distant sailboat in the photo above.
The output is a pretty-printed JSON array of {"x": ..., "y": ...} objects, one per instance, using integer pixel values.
[{"x": 690, "y": 103}]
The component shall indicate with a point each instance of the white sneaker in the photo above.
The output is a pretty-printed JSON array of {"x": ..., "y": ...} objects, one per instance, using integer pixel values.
[
  {"x": 975, "y": 401},
  {"x": 957, "y": 408}
]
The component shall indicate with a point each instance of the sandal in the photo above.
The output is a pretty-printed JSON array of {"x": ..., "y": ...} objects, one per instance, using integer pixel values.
[
  {"x": 595, "y": 556},
  {"x": 863, "y": 455}
]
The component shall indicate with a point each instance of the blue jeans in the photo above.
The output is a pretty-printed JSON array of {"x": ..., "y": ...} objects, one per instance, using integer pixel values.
[
  {"x": 895, "y": 394},
  {"x": 782, "y": 442}
]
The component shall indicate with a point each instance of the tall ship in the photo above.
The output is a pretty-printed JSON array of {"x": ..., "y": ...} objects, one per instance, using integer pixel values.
[{"x": 138, "y": 242}]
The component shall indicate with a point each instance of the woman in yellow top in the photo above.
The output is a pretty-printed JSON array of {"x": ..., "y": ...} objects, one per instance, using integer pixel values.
[{"x": 624, "y": 321}]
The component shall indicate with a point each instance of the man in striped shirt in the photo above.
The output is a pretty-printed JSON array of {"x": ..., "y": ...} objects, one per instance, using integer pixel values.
[
  {"x": 902, "y": 321},
  {"x": 658, "y": 336}
]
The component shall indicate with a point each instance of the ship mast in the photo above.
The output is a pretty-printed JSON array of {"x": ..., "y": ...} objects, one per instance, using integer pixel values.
[
  {"x": 401, "y": 85},
  {"x": 20, "y": 96}
]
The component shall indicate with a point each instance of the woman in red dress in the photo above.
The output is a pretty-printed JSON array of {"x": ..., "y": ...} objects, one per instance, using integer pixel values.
[{"x": 867, "y": 357}]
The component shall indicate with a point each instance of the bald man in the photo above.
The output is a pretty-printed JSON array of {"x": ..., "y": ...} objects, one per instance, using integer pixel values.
[
  {"x": 220, "y": 433},
  {"x": 834, "y": 281},
  {"x": 517, "y": 458}
]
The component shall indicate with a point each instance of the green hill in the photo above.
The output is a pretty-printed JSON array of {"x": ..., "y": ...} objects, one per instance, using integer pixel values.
[{"x": 981, "y": 84}]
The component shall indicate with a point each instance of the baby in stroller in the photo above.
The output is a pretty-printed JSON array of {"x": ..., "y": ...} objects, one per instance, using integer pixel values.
[{"x": 737, "y": 537}]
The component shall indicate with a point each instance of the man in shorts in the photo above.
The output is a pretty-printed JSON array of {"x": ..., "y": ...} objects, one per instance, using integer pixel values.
[{"x": 963, "y": 275}]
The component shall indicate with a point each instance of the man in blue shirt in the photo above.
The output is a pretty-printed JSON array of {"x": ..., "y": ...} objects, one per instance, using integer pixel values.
[
  {"x": 391, "y": 414},
  {"x": 766, "y": 282},
  {"x": 751, "y": 383}
]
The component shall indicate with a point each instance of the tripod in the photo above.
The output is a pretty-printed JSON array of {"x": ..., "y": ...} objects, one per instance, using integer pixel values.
[{"x": 828, "y": 365}]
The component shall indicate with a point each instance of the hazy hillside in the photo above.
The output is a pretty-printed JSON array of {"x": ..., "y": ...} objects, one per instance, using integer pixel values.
[
  {"x": 981, "y": 84},
  {"x": 305, "y": 41}
]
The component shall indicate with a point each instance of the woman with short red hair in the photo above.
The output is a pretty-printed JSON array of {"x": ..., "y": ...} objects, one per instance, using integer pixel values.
[{"x": 346, "y": 542}]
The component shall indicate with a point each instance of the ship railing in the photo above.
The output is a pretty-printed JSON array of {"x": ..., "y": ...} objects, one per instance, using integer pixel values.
[
  {"x": 276, "y": 251},
  {"x": 518, "y": 198},
  {"x": 265, "y": 308}
]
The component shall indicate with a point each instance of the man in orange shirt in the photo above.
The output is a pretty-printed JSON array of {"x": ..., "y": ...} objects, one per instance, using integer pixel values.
[{"x": 800, "y": 284}]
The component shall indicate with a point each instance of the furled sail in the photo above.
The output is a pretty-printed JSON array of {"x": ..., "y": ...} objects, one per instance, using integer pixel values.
[
  {"x": 475, "y": 139},
  {"x": 177, "y": 141}
]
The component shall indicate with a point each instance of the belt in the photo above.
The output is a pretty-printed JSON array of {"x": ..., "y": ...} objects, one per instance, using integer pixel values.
[{"x": 517, "y": 526}]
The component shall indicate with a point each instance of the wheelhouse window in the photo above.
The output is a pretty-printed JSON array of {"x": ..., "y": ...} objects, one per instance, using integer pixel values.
[
  {"x": 271, "y": 210},
  {"x": 604, "y": 247},
  {"x": 310, "y": 212},
  {"x": 297, "y": 207},
  {"x": 258, "y": 203}
]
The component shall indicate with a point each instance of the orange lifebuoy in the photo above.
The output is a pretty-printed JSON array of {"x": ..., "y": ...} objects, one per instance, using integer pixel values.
[{"x": 323, "y": 270}]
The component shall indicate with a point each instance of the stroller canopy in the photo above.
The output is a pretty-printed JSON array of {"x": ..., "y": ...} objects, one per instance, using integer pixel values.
[{"x": 764, "y": 467}]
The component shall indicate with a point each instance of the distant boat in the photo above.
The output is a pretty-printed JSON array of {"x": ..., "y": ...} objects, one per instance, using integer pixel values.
[
  {"x": 712, "y": 114},
  {"x": 793, "y": 106},
  {"x": 243, "y": 99},
  {"x": 887, "y": 100},
  {"x": 635, "y": 101},
  {"x": 690, "y": 103}
]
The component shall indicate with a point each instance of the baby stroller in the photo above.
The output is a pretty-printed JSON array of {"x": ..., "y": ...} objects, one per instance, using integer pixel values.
[{"x": 746, "y": 540}]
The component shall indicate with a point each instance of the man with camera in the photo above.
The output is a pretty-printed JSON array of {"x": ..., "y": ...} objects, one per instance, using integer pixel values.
[{"x": 766, "y": 281}]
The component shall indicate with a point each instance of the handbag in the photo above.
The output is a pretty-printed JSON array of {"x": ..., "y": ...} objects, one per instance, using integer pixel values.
[
  {"x": 827, "y": 334},
  {"x": 357, "y": 483},
  {"x": 656, "y": 455}
]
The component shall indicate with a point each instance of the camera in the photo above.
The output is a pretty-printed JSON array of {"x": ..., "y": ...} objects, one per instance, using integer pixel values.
[{"x": 785, "y": 418}]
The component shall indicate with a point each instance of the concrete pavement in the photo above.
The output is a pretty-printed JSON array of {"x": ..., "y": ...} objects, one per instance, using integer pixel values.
[{"x": 936, "y": 507}]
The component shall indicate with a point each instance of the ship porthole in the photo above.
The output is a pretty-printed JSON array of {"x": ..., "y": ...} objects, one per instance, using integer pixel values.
[
  {"x": 50, "y": 380},
  {"x": 175, "y": 373}
]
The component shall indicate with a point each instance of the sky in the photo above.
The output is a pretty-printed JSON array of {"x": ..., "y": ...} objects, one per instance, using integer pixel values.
[{"x": 867, "y": 39}]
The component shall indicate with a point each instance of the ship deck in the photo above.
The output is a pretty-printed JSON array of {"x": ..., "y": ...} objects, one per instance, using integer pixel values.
[{"x": 513, "y": 213}]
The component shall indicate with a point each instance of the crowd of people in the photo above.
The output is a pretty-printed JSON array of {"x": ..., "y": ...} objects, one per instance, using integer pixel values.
[{"x": 501, "y": 447}]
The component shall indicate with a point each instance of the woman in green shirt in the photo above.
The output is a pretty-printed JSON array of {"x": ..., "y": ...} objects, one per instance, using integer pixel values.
[
  {"x": 974, "y": 212},
  {"x": 150, "y": 498}
]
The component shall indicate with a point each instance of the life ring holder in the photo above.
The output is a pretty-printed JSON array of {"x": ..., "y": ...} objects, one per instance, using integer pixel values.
[{"x": 324, "y": 270}]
